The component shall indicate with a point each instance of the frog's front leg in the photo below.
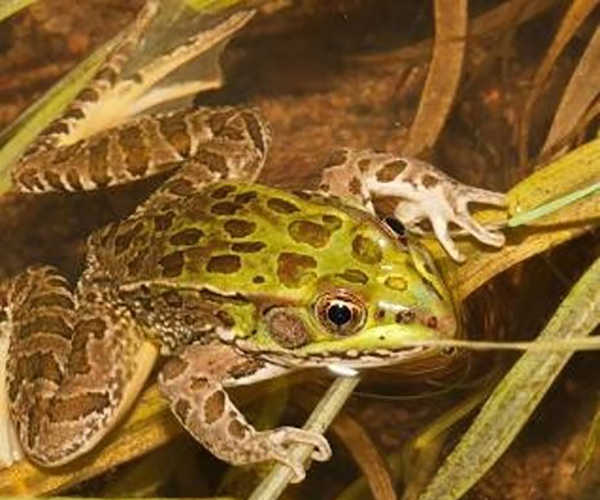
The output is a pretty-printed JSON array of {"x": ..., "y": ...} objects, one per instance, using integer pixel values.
[
  {"x": 422, "y": 192},
  {"x": 193, "y": 383},
  {"x": 75, "y": 365}
]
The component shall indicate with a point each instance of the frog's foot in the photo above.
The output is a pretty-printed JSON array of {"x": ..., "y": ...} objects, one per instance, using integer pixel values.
[
  {"x": 447, "y": 202},
  {"x": 422, "y": 193},
  {"x": 192, "y": 384},
  {"x": 274, "y": 445}
]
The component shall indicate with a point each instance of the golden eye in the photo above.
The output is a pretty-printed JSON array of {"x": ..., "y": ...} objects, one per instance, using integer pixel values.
[{"x": 340, "y": 312}]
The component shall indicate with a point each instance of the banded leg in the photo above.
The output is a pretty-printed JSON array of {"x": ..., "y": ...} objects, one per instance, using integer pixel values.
[
  {"x": 75, "y": 366},
  {"x": 85, "y": 148},
  {"x": 68, "y": 127},
  {"x": 193, "y": 384},
  {"x": 227, "y": 142},
  {"x": 422, "y": 191}
]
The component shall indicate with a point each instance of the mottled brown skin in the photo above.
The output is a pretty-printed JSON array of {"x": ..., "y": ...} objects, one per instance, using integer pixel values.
[{"x": 234, "y": 282}]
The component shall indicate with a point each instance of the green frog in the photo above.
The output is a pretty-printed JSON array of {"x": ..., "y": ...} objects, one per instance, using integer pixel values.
[{"x": 226, "y": 280}]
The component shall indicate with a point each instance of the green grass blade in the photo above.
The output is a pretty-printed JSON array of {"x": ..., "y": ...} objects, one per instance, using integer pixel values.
[
  {"x": 516, "y": 397},
  {"x": 531, "y": 215}
]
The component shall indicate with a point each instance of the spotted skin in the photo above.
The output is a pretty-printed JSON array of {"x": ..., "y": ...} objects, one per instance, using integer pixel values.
[
  {"x": 421, "y": 193},
  {"x": 233, "y": 281}
]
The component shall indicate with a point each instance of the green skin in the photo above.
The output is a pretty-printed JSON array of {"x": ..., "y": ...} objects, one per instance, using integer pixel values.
[{"x": 399, "y": 293}]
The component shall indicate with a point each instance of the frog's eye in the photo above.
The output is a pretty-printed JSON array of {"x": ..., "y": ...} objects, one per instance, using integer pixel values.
[{"x": 340, "y": 313}]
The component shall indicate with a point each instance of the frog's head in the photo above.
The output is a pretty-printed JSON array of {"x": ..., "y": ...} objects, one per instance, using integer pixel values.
[{"x": 357, "y": 303}]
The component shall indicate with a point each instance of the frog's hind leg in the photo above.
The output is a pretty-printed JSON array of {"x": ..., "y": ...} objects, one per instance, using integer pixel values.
[
  {"x": 97, "y": 142},
  {"x": 193, "y": 383},
  {"x": 421, "y": 192},
  {"x": 236, "y": 151},
  {"x": 75, "y": 365}
]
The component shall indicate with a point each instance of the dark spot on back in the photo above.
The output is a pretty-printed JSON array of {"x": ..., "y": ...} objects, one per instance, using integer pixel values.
[
  {"x": 222, "y": 192},
  {"x": 163, "y": 221},
  {"x": 186, "y": 237},
  {"x": 354, "y": 276},
  {"x": 311, "y": 233},
  {"x": 239, "y": 228},
  {"x": 224, "y": 264},
  {"x": 366, "y": 250},
  {"x": 294, "y": 269},
  {"x": 172, "y": 264},
  {"x": 243, "y": 198},
  {"x": 282, "y": 206},
  {"x": 125, "y": 238},
  {"x": 225, "y": 208},
  {"x": 248, "y": 246}
]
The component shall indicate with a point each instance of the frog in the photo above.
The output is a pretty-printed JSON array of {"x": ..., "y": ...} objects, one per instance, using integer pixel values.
[{"x": 216, "y": 280}]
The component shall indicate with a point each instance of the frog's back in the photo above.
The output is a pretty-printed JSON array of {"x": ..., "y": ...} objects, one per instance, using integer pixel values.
[{"x": 250, "y": 238}]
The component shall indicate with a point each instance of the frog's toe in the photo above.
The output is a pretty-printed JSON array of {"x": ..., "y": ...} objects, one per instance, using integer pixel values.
[
  {"x": 282, "y": 438},
  {"x": 442, "y": 233},
  {"x": 483, "y": 196},
  {"x": 322, "y": 451},
  {"x": 486, "y": 236}
]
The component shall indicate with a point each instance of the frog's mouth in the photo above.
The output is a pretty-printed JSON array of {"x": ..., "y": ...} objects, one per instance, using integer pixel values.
[{"x": 380, "y": 346}]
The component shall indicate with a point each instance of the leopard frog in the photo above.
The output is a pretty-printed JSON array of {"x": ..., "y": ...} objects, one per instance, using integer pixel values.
[{"x": 231, "y": 281}]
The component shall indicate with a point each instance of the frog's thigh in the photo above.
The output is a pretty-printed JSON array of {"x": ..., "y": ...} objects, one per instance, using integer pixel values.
[
  {"x": 73, "y": 370},
  {"x": 192, "y": 383}
]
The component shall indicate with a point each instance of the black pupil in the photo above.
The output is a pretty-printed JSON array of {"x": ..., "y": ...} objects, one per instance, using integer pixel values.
[{"x": 339, "y": 314}]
